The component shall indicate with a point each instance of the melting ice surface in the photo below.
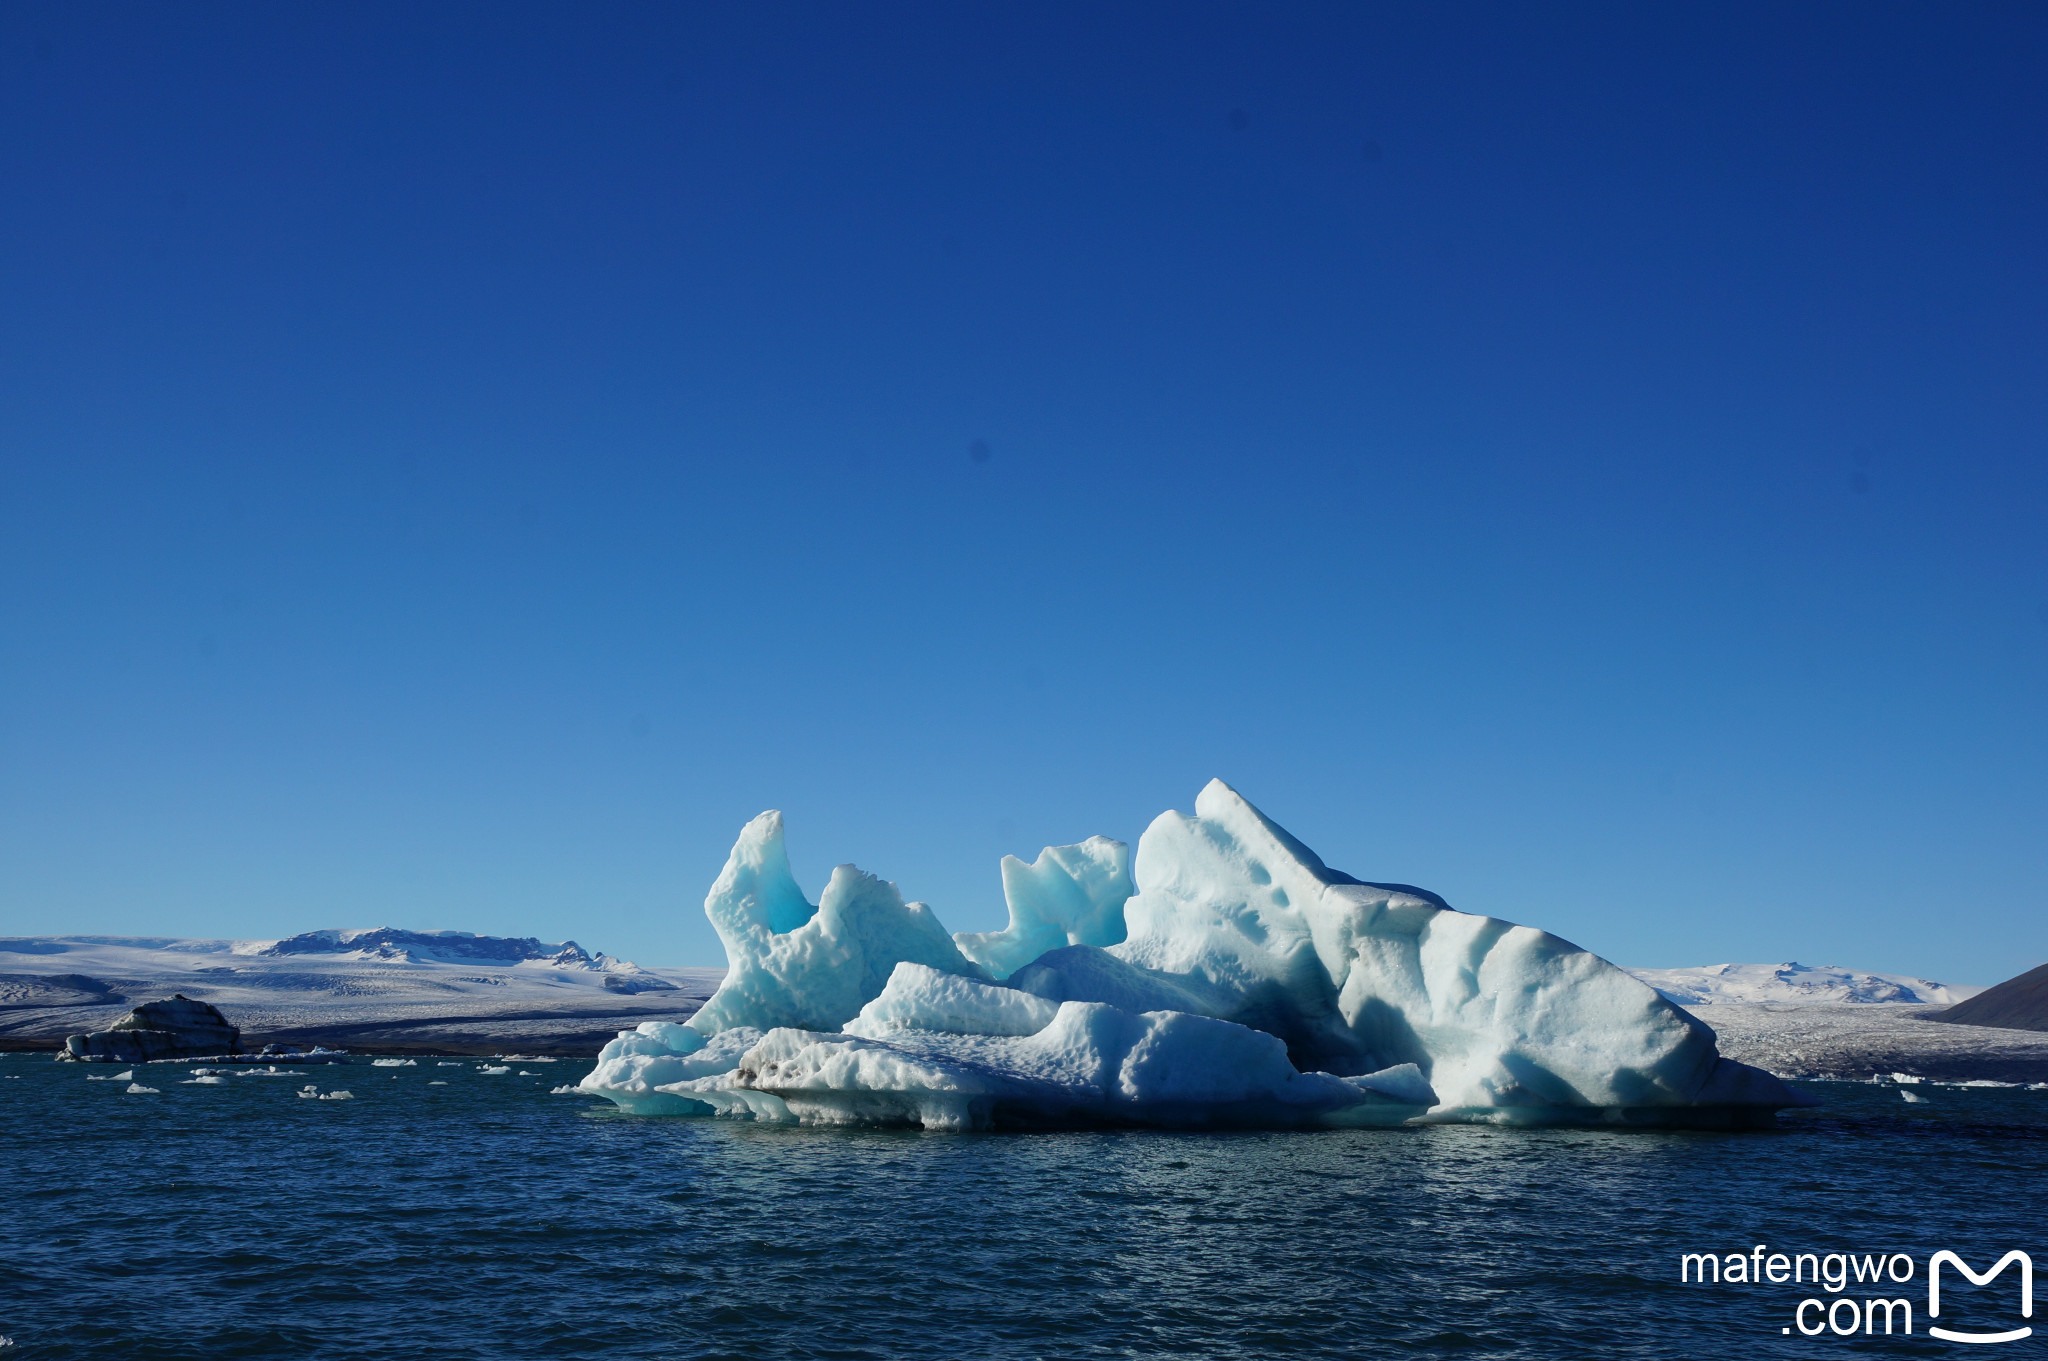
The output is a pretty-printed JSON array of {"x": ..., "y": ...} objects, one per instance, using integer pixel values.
[{"x": 1227, "y": 977}]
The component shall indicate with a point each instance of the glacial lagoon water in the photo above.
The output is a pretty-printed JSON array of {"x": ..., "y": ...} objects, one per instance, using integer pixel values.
[{"x": 486, "y": 1218}]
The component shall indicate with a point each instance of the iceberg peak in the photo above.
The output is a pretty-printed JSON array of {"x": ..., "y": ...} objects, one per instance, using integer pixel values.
[
  {"x": 792, "y": 963},
  {"x": 756, "y": 891},
  {"x": 1070, "y": 895}
]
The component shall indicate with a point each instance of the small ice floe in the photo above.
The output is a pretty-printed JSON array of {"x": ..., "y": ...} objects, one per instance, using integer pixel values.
[
  {"x": 337, "y": 1096},
  {"x": 528, "y": 1058},
  {"x": 449, "y": 1063},
  {"x": 524, "y": 1073},
  {"x": 204, "y": 1080},
  {"x": 497, "y": 1070},
  {"x": 569, "y": 1090},
  {"x": 272, "y": 1071},
  {"x": 1914, "y": 1097},
  {"x": 128, "y": 1076},
  {"x": 137, "y": 1089},
  {"x": 393, "y": 1063},
  {"x": 1906, "y": 1078},
  {"x": 437, "y": 1083},
  {"x": 309, "y": 1091}
]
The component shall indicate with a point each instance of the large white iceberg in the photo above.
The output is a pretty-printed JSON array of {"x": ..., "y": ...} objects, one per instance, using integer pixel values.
[{"x": 1231, "y": 979}]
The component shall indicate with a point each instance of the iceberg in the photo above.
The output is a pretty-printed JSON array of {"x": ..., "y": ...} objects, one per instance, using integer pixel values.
[
  {"x": 176, "y": 1027},
  {"x": 1225, "y": 977}
]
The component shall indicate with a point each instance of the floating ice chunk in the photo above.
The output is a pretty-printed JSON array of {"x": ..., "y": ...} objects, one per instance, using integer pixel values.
[
  {"x": 137, "y": 1089},
  {"x": 792, "y": 964},
  {"x": 1907, "y": 1078},
  {"x": 309, "y": 1090},
  {"x": 1914, "y": 1097},
  {"x": 393, "y": 1063},
  {"x": 437, "y": 1083},
  {"x": 208, "y": 1080},
  {"x": 631, "y": 1068},
  {"x": 569, "y": 1089},
  {"x": 337, "y": 1096},
  {"x": 1070, "y": 895},
  {"x": 524, "y": 1073},
  {"x": 494, "y": 1070},
  {"x": 449, "y": 1063}
]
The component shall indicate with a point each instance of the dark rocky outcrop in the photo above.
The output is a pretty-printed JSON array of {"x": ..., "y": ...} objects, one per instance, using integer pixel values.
[
  {"x": 175, "y": 1028},
  {"x": 2016, "y": 1004}
]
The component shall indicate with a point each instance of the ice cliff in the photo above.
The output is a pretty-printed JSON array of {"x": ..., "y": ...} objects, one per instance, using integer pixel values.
[{"x": 1227, "y": 977}]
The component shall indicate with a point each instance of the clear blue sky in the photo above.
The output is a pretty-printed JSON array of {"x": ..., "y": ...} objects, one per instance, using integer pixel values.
[{"x": 459, "y": 463}]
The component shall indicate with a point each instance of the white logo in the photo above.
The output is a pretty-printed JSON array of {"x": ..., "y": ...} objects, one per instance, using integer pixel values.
[{"x": 1934, "y": 1294}]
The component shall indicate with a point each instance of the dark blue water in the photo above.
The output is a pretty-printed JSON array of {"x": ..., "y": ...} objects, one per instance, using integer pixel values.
[{"x": 487, "y": 1218}]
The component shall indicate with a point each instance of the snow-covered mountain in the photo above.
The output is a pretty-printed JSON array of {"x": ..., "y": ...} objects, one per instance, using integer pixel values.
[
  {"x": 442, "y": 947},
  {"x": 377, "y": 987},
  {"x": 1797, "y": 985}
]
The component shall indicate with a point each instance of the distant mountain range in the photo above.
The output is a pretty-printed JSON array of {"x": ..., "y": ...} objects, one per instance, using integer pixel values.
[
  {"x": 1797, "y": 985},
  {"x": 446, "y": 947},
  {"x": 383, "y": 987}
]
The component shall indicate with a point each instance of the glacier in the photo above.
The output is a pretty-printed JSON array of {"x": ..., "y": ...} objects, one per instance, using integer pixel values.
[{"x": 1224, "y": 977}]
